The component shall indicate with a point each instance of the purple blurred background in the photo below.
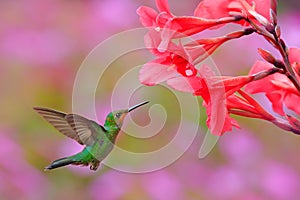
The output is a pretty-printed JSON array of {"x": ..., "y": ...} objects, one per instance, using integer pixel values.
[{"x": 43, "y": 43}]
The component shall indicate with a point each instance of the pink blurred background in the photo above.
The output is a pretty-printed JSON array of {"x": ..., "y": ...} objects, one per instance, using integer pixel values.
[{"x": 43, "y": 43}]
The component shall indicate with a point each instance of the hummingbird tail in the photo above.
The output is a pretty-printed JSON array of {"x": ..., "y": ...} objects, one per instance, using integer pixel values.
[{"x": 60, "y": 163}]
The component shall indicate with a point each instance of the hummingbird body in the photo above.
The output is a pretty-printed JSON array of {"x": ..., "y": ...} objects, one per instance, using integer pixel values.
[{"x": 98, "y": 140}]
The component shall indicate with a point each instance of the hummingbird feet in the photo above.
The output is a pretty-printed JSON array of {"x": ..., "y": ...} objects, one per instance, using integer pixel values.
[{"x": 94, "y": 165}]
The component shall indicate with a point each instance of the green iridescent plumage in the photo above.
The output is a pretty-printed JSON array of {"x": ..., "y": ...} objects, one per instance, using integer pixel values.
[{"x": 98, "y": 140}]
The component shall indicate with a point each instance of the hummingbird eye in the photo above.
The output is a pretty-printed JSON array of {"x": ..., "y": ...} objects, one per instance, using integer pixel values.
[{"x": 118, "y": 115}]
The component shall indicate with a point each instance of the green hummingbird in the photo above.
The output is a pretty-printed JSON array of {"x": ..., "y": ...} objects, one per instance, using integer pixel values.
[{"x": 98, "y": 140}]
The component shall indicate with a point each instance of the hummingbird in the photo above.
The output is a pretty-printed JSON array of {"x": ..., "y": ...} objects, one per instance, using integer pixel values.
[{"x": 97, "y": 139}]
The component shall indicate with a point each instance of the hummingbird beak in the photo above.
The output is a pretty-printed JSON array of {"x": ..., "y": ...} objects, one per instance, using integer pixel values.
[{"x": 136, "y": 106}]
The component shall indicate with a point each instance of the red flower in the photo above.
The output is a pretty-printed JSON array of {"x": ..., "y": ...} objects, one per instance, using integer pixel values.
[
  {"x": 175, "y": 61},
  {"x": 179, "y": 57},
  {"x": 215, "y": 9},
  {"x": 215, "y": 92},
  {"x": 175, "y": 66},
  {"x": 171, "y": 26},
  {"x": 209, "y": 45},
  {"x": 164, "y": 68},
  {"x": 214, "y": 95},
  {"x": 248, "y": 107},
  {"x": 277, "y": 87},
  {"x": 294, "y": 58},
  {"x": 150, "y": 18},
  {"x": 154, "y": 72}
]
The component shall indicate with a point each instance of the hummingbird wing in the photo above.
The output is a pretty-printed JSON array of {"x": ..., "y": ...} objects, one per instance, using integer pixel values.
[
  {"x": 58, "y": 120},
  {"x": 72, "y": 126},
  {"x": 84, "y": 128}
]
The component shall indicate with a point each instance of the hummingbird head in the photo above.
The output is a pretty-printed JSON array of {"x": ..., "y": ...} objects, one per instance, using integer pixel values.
[{"x": 117, "y": 117}]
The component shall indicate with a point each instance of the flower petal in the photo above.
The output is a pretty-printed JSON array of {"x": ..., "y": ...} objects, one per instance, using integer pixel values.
[
  {"x": 218, "y": 119},
  {"x": 256, "y": 86},
  {"x": 153, "y": 40},
  {"x": 212, "y": 9},
  {"x": 147, "y": 16},
  {"x": 292, "y": 101},
  {"x": 215, "y": 102},
  {"x": 163, "y": 6},
  {"x": 277, "y": 101},
  {"x": 294, "y": 55},
  {"x": 153, "y": 73},
  {"x": 185, "y": 84},
  {"x": 221, "y": 8}
]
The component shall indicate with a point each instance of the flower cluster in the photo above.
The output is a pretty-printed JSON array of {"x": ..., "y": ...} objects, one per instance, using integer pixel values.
[{"x": 179, "y": 63}]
